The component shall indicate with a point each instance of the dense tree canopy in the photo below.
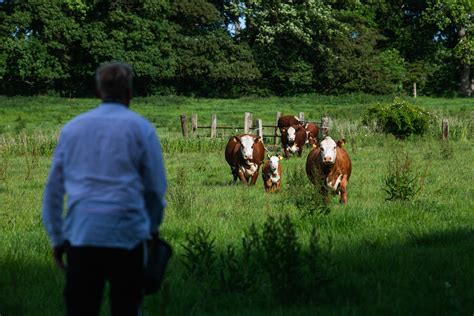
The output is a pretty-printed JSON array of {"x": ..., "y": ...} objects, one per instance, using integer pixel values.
[{"x": 239, "y": 47}]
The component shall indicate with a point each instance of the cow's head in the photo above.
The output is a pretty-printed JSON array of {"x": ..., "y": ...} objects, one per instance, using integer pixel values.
[
  {"x": 291, "y": 134},
  {"x": 328, "y": 150},
  {"x": 246, "y": 145},
  {"x": 273, "y": 162}
]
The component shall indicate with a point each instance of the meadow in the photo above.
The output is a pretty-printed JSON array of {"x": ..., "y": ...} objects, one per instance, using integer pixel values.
[{"x": 370, "y": 257}]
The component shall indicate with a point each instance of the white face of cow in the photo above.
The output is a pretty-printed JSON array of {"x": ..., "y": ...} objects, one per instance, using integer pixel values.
[
  {"x": 328, "y": 150},
  {"x": 291, "y": 134},
  {"x": 274, "y": 161},
  {"x": 246, "y": 147}
]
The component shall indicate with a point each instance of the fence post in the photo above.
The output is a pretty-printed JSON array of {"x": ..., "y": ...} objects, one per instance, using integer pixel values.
[
  {"x": 445, "y": 129},
  {"x": 213, "y": 125},
  {"x": 275, "y": 135},
  {"x": 260, "y": 128},
  {"x": 194, "y": 123},
  {"x": 324, "y": 130},
  {"x": 414, "y": 90},
  {"x": 184, "y": 126},
  {"x": 247, "y": 122},
  {"x": 301, "y": 117}
]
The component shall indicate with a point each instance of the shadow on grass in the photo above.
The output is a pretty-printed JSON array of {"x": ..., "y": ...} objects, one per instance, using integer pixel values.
[{"x": 428, "y": 274}]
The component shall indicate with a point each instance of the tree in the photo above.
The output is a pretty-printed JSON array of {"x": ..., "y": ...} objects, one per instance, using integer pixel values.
[
  {"x": 454, "y": 20},
  {"x": 290, "y": 41}
]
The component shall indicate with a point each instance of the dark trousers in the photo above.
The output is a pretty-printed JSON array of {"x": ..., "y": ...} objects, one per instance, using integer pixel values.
[{"x": 88, "y": 268}]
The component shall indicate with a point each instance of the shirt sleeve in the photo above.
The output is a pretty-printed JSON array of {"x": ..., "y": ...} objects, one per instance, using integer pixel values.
[
  {"x": 154, "y": 180},
  {"x": 53, "y": 198}
]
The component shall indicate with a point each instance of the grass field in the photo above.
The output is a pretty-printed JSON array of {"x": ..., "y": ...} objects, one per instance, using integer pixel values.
[{"x": 379, "y": 257}]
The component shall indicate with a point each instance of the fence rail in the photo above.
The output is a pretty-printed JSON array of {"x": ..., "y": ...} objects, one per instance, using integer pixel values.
[{"x": 249, "y": 125}]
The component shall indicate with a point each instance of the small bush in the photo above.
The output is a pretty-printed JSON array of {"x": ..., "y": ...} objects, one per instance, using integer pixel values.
[
  {"x": 199, "y": 255},
  {"x": 402, "y": 181},
  {"x": 304, "y": 195},
  {"x": 399, "y": 118}
]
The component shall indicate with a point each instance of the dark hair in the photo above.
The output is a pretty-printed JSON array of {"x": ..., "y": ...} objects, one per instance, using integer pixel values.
[{"x": 114, "y": 81}]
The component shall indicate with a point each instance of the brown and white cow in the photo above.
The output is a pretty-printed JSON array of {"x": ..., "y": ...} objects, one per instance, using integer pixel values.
[
  {"x": 287, "y": 121},
  {"x": 330, "y": 165},
  {"x": 293, "y": 139},
  {"x": 312, "y": 132},
  {"x": 245, "y": 154},
  {"x": 271, "y": 174}
]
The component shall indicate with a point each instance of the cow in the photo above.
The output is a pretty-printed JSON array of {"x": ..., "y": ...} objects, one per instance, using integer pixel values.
[
  {"x": 330, "y": 165},
  {"x": 245, "y": 154},
  {"x": 287, "y": 121},
  {"x": 293, "y": 139},
  {"x": 271, "y": 174},
  {"x": 312, "y": 132}
]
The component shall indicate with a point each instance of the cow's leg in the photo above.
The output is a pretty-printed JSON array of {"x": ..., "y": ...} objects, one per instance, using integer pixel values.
[
  {"x": 278, "y": 186},
  {"x": 242, "y": 177},
  {"x": 254, "y": 178},
  {"x": 343, "y": 190},
  {"x": 285, "y": 152}
]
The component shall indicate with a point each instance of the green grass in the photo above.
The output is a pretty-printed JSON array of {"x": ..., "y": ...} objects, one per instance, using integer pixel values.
[{"x": 391, "y": 258}]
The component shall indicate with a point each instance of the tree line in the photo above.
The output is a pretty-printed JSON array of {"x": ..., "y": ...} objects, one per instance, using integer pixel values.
[{"x": 232, "y": 48}]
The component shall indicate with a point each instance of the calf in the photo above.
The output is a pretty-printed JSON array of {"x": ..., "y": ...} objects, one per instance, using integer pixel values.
[
  {"x": 293, "y": 139},
  {"x": 330, "y": 165},
  {"x": 244, "y": 154},
  {"x": 312, "y": 132},
  {"x": 271, "y": 174}
]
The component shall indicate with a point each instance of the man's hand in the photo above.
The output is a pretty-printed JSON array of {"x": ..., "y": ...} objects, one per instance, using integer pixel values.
[{"x": 58, "y": 254}]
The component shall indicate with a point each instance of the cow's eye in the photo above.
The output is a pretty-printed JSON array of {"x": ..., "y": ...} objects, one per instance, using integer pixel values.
[
  {"x": 334, "y": 148},
  {"x": 322, "y": 148}
]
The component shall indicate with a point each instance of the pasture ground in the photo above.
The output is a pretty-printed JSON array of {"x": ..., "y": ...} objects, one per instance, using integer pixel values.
[{"x": 392, "y": 258}]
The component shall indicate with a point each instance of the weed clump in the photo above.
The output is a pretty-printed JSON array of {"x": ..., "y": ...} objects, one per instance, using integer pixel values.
[
  {"x": 271, "y": 260},
  {"x": 304, "y": 195},
  {"x": 399, "y": 118},
  {"x": 402, "y": 182}
]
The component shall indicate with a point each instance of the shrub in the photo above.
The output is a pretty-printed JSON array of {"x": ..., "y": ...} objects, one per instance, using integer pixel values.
[
  {"x": 199, "y": 254},
  {"x": 402, "y": 181},
  {"x": 400, "y": 118},
  {"x": 304, "y": 195}
]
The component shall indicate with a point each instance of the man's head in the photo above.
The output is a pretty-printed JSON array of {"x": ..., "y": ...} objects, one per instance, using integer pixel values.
[{"x": 114, "y": 82}]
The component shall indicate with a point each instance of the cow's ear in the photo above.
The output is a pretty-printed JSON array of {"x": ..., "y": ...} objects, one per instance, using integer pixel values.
[
  {"x": 236, "y": 139},
  {"x": 341, "y": 142},
  {"x": 283, "y": 130},
  {"x": 280, "y": 157},
  {"x": 268, "y": 156},
  {"x": 258, "y": 139}
]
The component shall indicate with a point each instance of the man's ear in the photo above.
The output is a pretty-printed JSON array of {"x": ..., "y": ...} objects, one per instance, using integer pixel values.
[{"x": 341, "y": 142}]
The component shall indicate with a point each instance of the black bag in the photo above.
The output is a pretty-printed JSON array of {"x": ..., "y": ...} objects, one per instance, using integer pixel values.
[{"x": 158, "y": 256}]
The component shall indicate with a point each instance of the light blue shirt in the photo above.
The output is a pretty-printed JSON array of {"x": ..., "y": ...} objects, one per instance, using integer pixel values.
[{"x": 108, "y": 164}]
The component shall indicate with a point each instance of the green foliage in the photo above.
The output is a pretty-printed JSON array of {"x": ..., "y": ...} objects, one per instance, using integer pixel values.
[
  {"x": 199, "y": 255},
  {"x": 402, "y": 182},
  {"x": 271, "y": 255},
  {"x": 398, "y": 118},
  {"x": 304, "y": 195}
]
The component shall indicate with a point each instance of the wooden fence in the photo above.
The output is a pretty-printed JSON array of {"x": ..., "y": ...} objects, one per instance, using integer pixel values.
[
  {"x": 258, "y": 128},
  {"x": 248, "y": 126}
]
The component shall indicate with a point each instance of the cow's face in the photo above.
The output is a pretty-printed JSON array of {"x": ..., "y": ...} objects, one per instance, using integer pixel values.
[
  {"x": 328, "y": 150},
  {"x": 246, "y": 146},
  {"x": 291, "y": 134},
  {"x": 274, "y": 161}
]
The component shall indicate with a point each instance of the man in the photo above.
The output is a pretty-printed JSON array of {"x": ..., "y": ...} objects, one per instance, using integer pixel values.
[{"x": 108, "y": 164}]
